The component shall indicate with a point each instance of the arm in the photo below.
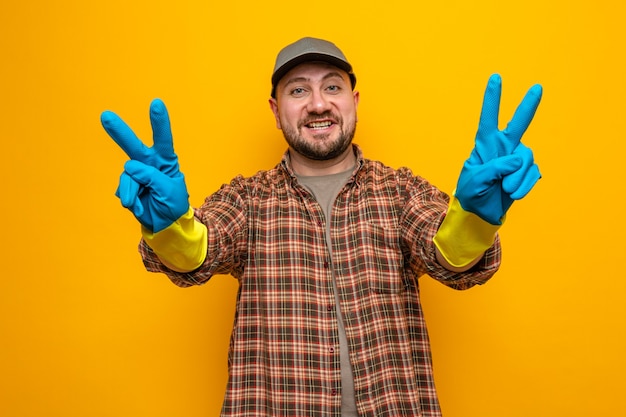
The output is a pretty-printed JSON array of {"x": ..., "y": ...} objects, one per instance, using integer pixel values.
[
  {"x": 499, "y": 170},
  {"x": 154, "y": 190}
]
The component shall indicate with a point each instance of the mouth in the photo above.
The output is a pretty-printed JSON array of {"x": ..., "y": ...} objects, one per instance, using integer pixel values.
[{"x": 319, "y": 125}]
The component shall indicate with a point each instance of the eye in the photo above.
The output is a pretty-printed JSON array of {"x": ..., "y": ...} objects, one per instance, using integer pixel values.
[
  {"x": 333, "y": 88},
  {"x": 298, "y": 92}
]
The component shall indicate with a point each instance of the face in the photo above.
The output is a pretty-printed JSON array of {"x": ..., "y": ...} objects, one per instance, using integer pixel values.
[{"x": 315, "y": 108}]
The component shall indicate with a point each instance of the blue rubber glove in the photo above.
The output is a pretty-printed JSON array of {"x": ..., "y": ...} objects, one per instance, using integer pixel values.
[
  {"x": 500, "y": 168},
  {"x": 151, "y": 186}
]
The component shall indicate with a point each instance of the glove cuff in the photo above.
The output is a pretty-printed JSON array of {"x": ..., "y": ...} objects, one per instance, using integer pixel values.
[
  {"x": 182, "y": 245},
  {"x": 463, "y": 236}
]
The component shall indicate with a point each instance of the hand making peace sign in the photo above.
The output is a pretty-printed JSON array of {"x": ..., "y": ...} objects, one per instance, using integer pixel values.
[
  {"x": 151, "y": 186},
  {"x": 500, "y": 168}
]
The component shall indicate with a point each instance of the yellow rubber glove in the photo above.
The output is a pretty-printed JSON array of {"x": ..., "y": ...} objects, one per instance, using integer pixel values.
[
  {"x": 463, "y": 236},
  {"x": 182, "y": 245}
]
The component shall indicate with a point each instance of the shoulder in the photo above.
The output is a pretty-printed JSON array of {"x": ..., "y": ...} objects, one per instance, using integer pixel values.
[
  {"x": 401, "y": 184},
  {"x": 245, "y": 187},
  {"x": 379, "y": 172}
]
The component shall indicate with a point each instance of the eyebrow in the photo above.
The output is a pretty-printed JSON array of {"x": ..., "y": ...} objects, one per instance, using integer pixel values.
[{"x": 331, "y": 74}]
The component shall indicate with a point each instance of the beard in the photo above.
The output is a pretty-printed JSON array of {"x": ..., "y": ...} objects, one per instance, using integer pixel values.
[{"x": 322, "y": 147}]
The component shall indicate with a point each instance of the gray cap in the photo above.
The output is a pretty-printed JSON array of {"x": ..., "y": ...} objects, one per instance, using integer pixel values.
[{"x": 306, "y": 50}]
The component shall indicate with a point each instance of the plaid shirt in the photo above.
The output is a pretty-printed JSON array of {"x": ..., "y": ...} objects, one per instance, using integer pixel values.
[{"x": 269, "y": 233}]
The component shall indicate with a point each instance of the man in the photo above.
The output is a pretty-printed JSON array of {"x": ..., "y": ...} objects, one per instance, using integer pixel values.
[{"x": 328, "y": 246}]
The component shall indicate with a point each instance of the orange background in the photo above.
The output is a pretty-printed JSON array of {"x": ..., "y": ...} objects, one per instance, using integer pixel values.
[{"x": 85, "y": 331}]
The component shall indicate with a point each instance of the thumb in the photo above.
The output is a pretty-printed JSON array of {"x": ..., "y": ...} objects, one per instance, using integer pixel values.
[
  {"x": 498, "y": 168},
  {"x": 478, "y": 179},
  {"x": 153, "y": 181},
  {"x": 143, "y": 174}
]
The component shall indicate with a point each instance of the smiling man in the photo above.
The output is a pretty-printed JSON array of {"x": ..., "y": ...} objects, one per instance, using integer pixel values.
[
  {"x": 328, "y": 246},
  {"x": 315, "y": 108}
]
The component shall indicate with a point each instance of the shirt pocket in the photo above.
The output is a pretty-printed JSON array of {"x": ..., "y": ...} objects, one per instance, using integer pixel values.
[{"x": 383, "y": 258}]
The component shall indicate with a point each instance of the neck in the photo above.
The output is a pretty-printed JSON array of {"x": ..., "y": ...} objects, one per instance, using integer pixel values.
[{"x": 311, "y": 167}]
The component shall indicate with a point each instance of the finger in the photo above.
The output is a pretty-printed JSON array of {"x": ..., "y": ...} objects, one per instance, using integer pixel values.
[
  {"x": 128, "y": 192},
  {"x": 493, "y": 171},
  {"x": 524, "y": 114},
  {"x": 512, "y": 182},
  {"x": 123, "y": 135},
  {"x": 503, "y": 166},
  {"x": 491, "y": 105},
  {"x": 520, "y": 182},
  {"x": 161, "y": 129},
  {"x": 528, "y": 182},
  {"x": 148, "y": 176}
]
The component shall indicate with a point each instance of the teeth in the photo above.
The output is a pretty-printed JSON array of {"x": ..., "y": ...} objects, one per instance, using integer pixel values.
[{"x": 319, "y": 125}]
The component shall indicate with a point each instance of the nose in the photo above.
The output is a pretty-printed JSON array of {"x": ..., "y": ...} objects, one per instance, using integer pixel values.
[{"x": 318, "y": 103}]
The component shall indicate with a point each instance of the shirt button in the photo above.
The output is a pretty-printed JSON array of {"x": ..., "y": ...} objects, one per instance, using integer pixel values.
[
  {"x": 334, "y": 392},
  {"x": 331, "y": 350},
  {"x": 326, "y": 265},
  {"x": 329, "y": 307}
]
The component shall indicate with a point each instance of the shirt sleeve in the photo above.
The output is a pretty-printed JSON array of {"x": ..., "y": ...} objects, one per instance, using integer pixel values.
[
  {"x": 224, "y": 215},
  {"x": 423, "y": 212}
]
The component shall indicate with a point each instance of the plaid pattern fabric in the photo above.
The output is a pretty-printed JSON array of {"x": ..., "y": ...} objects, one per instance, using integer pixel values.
[{"x": 269, "y": 233}]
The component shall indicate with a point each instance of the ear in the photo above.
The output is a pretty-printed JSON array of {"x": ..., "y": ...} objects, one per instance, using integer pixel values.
[
  {"x": 357, "y": 97},
  {"x": 274, "y": 106}
]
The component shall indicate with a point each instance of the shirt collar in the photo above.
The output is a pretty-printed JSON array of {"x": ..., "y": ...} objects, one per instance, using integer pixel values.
[{"x": 286, "y": 163}]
